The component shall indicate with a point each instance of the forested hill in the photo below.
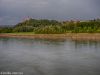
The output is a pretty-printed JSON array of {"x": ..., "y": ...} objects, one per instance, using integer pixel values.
[
  {"x": 45, "y": 26},
  {"x": 38, "y": 23}
]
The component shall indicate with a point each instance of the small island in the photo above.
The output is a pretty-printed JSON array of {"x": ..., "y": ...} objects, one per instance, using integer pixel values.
[{"x": 53, "y": 29}]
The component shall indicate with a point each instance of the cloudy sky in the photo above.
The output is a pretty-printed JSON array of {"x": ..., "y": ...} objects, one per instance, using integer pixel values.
[{"x": 14, "y": 11}]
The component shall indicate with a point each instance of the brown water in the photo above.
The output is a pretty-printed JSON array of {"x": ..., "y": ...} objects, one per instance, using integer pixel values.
[{"x": 49, "y": 57}]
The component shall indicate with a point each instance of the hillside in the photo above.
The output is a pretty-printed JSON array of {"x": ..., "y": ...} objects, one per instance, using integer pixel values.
[{"x": 44, "y": 26}]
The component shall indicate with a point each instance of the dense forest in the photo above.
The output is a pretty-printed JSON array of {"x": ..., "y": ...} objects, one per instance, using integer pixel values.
[{"x": 45, "y": 26}]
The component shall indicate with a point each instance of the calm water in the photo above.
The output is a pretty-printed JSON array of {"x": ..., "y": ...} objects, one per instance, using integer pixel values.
[{"x": 49, "y": 57}]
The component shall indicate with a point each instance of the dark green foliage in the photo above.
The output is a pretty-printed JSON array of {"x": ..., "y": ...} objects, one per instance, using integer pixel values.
[
  {"x": 6, "y": 29},
  {"x": 23, "y": 29},
  {"x": 38, "y": 23},
  {"x": 49, "y": 30},
  {"x": 54, "y": 27}
]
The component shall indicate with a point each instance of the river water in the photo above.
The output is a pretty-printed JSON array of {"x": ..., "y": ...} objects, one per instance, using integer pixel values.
[{"x": 49, "y": 57}]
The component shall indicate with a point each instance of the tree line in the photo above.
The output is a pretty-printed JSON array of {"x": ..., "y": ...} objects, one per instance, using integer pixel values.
[{"x": 45, "y": 26}]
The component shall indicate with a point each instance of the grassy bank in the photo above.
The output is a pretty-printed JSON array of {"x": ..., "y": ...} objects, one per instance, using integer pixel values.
[{"x": 72, "y": 36}]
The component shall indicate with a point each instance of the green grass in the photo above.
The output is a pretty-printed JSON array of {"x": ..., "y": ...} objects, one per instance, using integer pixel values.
[{"x": 21, "y": 33}]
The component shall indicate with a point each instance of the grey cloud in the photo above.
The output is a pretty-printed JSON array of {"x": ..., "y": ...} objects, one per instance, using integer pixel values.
[{"x": 50, "y": 9}]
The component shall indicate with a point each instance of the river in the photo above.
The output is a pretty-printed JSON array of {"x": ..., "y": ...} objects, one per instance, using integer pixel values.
[{"x": 49, "y": 57}]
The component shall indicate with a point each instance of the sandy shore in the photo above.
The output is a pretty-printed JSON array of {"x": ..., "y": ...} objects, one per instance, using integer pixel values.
[{"x": 73, "y": 36}]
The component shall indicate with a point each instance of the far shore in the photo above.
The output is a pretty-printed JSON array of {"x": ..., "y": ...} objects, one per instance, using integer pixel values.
[{"x": 72, "y": 36}]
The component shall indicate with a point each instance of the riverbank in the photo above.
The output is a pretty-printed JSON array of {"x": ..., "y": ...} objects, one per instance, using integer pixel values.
[{"x": 72, "y": 36}]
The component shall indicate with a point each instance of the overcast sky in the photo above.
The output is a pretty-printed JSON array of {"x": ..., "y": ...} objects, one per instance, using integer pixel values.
[{"x": 14, "y": 11}]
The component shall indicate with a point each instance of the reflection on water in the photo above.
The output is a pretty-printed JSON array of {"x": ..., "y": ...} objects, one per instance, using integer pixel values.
[{"x": 49, "y": 57}]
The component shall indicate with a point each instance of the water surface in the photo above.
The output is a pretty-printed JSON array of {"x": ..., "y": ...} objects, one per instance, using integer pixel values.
[{"x": 49, "y": 57}]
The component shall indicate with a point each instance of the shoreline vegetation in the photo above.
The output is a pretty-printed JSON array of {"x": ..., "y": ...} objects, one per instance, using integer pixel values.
[{"x": 52, "y": 29}]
